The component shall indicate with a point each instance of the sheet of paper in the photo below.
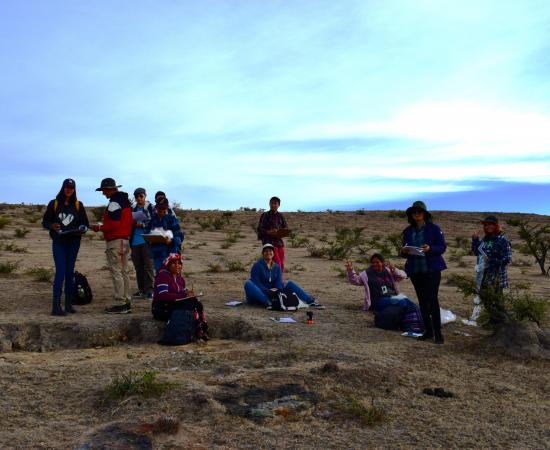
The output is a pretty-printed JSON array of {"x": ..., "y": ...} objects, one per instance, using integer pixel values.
[
  {"x": 283, "y": 319},
  {"x": 233, "y": 303},
  {"x": 415, "y": 251}
]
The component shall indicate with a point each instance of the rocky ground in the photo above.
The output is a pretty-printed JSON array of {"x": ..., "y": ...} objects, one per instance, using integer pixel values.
[{"x": 339, "y": 383}]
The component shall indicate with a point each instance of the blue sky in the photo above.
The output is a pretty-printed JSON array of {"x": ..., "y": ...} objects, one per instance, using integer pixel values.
[{"x": 326, "y": 104}]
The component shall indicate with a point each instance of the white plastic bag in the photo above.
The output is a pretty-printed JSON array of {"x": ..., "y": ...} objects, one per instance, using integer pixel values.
[{"x": 446, "y": 316}]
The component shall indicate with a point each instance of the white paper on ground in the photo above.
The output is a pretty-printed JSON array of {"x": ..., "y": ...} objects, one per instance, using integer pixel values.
[
  {"x": 283, "y": 319},
  {"x": 411, "y": 334},
  {"x": 233, "y": 303}
]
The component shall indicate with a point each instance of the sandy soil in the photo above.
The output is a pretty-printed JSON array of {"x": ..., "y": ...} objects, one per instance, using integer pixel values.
[{"x": 53, "y": 399}]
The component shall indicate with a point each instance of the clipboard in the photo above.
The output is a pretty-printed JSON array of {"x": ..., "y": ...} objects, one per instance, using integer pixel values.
[
  {"x": 280, "y": 233},
  {"x": 154, "y": 238}
]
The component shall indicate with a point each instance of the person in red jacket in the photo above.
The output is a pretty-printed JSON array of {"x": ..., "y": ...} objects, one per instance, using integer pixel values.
[
  {"x": 117, "y": 228},
  {"x": 170, "y": 294}
]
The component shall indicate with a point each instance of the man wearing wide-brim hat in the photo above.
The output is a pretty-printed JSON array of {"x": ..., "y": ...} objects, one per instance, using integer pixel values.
[{"x": 117, "y": 228}]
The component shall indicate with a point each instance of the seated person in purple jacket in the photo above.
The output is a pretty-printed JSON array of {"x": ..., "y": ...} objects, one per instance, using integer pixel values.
[
  {"x": 266, "y": 279},
  {"x": 170, "y": 292},
  {"x": 380, "y": 283}
]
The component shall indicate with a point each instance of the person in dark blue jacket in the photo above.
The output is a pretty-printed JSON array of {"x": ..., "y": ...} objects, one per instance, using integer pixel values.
[
  {"x": 161, "y": 219},
  {"x": 66, "y": 219},
  {"x": 266, "y": 278},
  {"x": 423, "y": 245}
]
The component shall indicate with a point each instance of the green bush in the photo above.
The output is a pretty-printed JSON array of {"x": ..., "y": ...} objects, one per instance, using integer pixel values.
[
  {"x": 213, "y": 267},
  {"x": 21, "y": 232},
  {"x": 7, "y": 267},
  {"x": 41, "y": 274},
  {"x": 397, "y": 214},
  {"x": 12, "y": 247},
  {"x": 33, "y": 219},
  {"x": 135, "y": 383},
  {"x": 235, "y": 266},
  {"x": 351, "y": 408},
  {"x": 4, "y": 220},
  {"x": 296, "y": 241}
]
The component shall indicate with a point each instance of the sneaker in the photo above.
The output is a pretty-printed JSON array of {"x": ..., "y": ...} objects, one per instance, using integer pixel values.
[
  {"x": 316, "y": 305},
  {"x": 137, "y": 294},
  {"x": 119, "y": 309}
]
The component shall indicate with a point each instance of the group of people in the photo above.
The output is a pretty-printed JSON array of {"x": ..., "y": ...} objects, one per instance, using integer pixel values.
[
  {"x": 127, "y": 226},
  {"x": 423, "y": 245},
  {"x": 124, "y": 226}
]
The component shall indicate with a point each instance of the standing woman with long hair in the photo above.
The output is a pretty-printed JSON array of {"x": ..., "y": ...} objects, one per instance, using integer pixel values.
[
  {"x": 66, "y": 219},
  {"x": 423, "y": 245}
]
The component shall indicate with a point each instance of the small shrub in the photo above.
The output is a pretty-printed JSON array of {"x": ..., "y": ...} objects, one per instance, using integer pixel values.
[
  {"x": 354, "y": 409},
  {"x": 536, "y": 242},
  {"x": 397, "y": 214},
  {"x": 7, "y": 267},
  {"x": 296, "y": 241},
  {"x": 33, "y": 219},
  {"x": 197, "y": 245},
  {"x": 12, "y": 247},
  {"x": 135, "y": 383},
  {"x": 4, "y": 220},
  {"x": 316, "y": 252},
  {"x": 463, "y": 243},
  {"x": 360, "y": 212},
  {"x": 235, "y": 266},
  {"x": 21, "y": 232},
  {"x": 41, "y": 274},
  {"x": 213, "y": 267},
  {"x": 295, "y": 268}
]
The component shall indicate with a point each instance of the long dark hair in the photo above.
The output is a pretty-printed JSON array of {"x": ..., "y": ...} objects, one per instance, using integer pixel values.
[
  {"x": 60, "y": 197},
  {"x": 377, "y": 256}
]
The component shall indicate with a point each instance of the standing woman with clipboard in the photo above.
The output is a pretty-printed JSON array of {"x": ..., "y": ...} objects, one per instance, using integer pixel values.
[
  {"x": 423, "y": 245},
  {"x": 66, "y": 219}
]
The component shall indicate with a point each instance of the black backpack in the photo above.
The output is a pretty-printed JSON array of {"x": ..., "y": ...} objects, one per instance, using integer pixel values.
[
  {"x": 286, "y": 300},
  {"x": 180, "y": 329},
  {"x": 82, "y": 294}
]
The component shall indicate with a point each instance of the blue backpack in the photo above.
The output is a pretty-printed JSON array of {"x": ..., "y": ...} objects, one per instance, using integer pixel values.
[{"x": 180, "y": 329}]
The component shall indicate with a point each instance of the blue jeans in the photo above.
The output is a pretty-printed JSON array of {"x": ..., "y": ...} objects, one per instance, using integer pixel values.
[
  {"x": 255, "y": 295},
  {"x": 64, "y": 256}
]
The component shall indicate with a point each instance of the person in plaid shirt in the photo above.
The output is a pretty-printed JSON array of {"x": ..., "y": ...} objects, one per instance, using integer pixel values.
[{"x": 496, "y": 253}]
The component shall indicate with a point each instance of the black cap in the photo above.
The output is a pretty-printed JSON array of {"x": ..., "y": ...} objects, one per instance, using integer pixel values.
[
  {"x": 140, "y": 191},
  {"x": 68, "y": 183},
  {"x": 490, "y": 219},
  {"x": 108, "y": 183}
]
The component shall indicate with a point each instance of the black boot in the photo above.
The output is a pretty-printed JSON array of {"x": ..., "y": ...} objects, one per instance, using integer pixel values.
[
  {"x": 439, "y": 337},
  {"x": 426, "y": 336},
  {"x": 69, "y": 306},
  {"x": 56, "y": 307}
]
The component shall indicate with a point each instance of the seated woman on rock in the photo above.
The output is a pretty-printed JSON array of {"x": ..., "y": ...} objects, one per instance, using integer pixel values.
[
  {"x": 170, "y": 294},
  {"x": 266, "y": 278},
  {"x": 380, "y": 283}
]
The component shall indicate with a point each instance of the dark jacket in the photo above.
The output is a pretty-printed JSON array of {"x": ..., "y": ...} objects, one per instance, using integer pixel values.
[
  {"x": 169, "y": 288},
  {"x": 69, "y": 217},
  {"x": 266, "y": 278},
  {"x": 117, "y": 218},
  {"x": 433, "y": 236},
  {"x": 268, "y": 221}
]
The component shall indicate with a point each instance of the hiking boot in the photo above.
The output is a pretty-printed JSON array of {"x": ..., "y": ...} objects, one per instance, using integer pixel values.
[
  {"x": 137, "y": 294},
  {"x": 56, "y": 308},
  {"x": 438, "y": 338},
  {"x": 119, "y": 309},
  {"x": 316, "y": 305}
]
